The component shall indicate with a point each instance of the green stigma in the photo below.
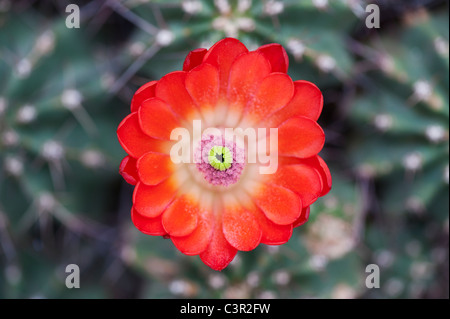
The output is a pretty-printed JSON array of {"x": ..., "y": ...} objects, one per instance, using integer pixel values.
[{"x": 220, "y": 158}]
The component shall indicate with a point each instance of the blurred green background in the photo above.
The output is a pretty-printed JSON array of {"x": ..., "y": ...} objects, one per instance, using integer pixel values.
[{"x": 386, "y": 117}]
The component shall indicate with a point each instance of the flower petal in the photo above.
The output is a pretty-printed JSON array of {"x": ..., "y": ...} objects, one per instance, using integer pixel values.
[
  {"x": 326, "y": 176},
  {"x": 143, "y": 93},
  {"x": 246, "y": 74},
  {"x": 222, "y": 55},
  {"x": 171, "y": 89},
  {"x": 301, "y": 179},
  {"x": 300, "y": 136},
  {"x": 151, "y": 201},
  {"x": 180, "y": 218},
  {"x": 128, "y": 170},
  {"x": 148, "y": 226},
  {"x": 274, "y": 92},
  {"x": 307, "y": 101},
  {"x": 240, "y": 228},
  {"x": 202, "y": 83},
  {"x": 153, "y": 168},
  {"x": 194, "y": 58},
  {"x": 219, "y": 252},
  {"x": 276, "y": 55},
  {"x": 304, "y": 216},
  {"x": 272, "y": 234},
  {"x": 198, "y": 240},
  {"x": 315, "y": 162},
  {"x": 157, "y": 119},
  {"x": 135, "y": 142},
  {"x": 279, "y": 204}
]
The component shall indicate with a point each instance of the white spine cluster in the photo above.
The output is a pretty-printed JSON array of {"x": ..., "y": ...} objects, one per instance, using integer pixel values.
[{"x": 273, "y": 8}]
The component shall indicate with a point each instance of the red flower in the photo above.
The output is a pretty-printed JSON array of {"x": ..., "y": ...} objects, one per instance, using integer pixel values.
[{"x": 221, "y": 202}]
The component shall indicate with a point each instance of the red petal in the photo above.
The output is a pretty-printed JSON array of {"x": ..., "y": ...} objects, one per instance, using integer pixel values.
[
  {"x": 128, "y": 170},
  {"x": 279, "y": 204},
  {"x": 202, "y": 83},
  {"x": 219, "y": 252},
  {"x": 157, "y": 119},
  {"x": 149, "y": 226},
  {"x": 302, "y": 179},
  {"x": 171, "y": 89},
  {"x": 246, "y": 74},
  {"x": 272, "y": 234},
  {"x": 276, "y": 55},
  {"x": 153, "y": 168},
  {"x": 222, "y": 55},
  {"x": 135, "y": 142},
  {"x": 240, "y": 228},
  {"x": 300, "y": 136},
  {"x": 307, "y": 101},
  {"x": 180, "y": 218},
  {"x": 318, "y": 164},
  {"x": 143, "y": 93},
  {"x": 326, "y": 176},
  {"x": 151, "y": 201},
  {"x": 274, "y": 92},
  {"x": 194, "y": 58},
  {"x": 198, "y": 240},
  {"x": 304, "y": 216}
]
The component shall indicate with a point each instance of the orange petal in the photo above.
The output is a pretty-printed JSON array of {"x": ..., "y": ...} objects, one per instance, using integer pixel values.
[
  {"x": 300, "y": 136},
  {"x": 246, "y": 74},
  {"x": 202, "y": 83},
  {"x": 154, "y": 167},
  {"x": 276, "y": 55},
  {"x": 222, "y": 55},
  {"x": 307, "y": 101},
  {"x": 301, "y": 179},
  {"x": 151, "y": 201},
  {"x": 148, "y": 226},
  {"x": 274, "y": 92},
  {"x": 279, "y": 204},
  {"x": 135, "y": 142},
  {"x": 194, "y": 58},
  {"x": 219, "y": 252},
  {"x": 171, "y": 89},
  {"x": 180, "y": 218},
  {"x": 304, "y": 216},
  {"x": 157, "y": 119},
  {"x": 128, "y": 170},
  {"x": 240, "y": 228},
  {"x": 198, "y": 240},
  {"x": 143, "y": 93}
]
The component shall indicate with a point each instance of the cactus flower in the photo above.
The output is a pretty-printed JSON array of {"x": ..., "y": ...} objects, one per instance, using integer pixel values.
[{"x": 214, "y": 193}]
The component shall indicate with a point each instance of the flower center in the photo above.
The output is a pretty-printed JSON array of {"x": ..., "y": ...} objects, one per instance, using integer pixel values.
[
  {"x": 220, "y": 157},
  {"x": 220, "y": 161}
]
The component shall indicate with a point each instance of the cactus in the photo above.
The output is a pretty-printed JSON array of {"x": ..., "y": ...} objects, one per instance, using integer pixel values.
[
  {"x": 403, "y": 117},
  {"x": 57, "y": 162},
  {"x": 313, "y": 32},
  {"x": 62, "y": 95}
]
